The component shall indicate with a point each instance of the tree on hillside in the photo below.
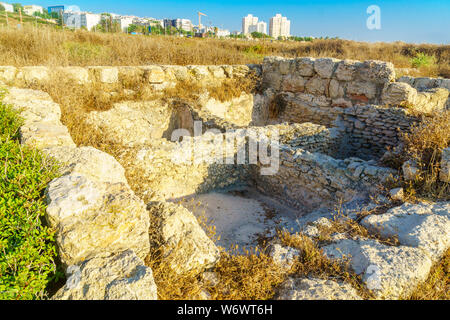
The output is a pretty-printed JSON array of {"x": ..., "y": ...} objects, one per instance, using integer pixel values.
[
  {"x": 259, "y": 35},
  {"x": 17, "y": 6},
  {"x": 2, "y": 8}
]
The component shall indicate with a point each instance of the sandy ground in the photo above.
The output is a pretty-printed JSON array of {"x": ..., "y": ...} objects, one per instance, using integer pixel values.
[{"x": 242, "y": 217}]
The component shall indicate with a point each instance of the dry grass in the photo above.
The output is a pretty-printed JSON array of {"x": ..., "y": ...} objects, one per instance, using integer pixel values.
[
  {"x": 49, "y": 46},
  {"x": 313, "y": 262},
  {"x": 424, "y": 145},
  {"x": 437, "y": 286}
]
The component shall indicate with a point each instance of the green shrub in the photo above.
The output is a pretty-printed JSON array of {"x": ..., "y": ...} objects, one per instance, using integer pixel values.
[
  {"x": 27, "y": 249},
  {"x": 422, "y": 60}
]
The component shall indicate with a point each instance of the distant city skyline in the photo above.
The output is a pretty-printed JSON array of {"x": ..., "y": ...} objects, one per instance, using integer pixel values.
[{"x": 409, "y": 21}]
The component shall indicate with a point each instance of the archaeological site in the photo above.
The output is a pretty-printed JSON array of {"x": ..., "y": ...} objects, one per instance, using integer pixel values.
[{"x": 282, "y": 180}]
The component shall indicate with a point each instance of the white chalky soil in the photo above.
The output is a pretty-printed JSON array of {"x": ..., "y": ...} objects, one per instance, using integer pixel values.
[{"x": 241, "y": 217}]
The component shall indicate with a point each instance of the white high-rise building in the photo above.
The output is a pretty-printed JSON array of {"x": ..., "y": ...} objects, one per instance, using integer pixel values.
[
  {"x": 279, "y": 26},
  {"x": 78, "y": 20},
  {"x": 248, "y": 21},
  {"x": 260, "y": 27}
]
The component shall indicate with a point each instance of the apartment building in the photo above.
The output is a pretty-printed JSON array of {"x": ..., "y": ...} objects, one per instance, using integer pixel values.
[
  {"x": 31, "y": 9},
  {"x": 78, "y": 20},
  {"x": 260, "y": 27},
  {"x": 279, "y": 26},
  {"x": 247, "y": 22},
  {"x": 123, "y": 21},
  {"x": 182, "y": 24}
]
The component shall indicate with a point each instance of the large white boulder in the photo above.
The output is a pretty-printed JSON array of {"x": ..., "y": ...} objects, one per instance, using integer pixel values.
[
  {"x": 178, "y": 234},
  {"x": 95, "y": 219},
  {"x": 424, "y": 225},
  {"x": 391, "y": 272},
  {"x": 119, "y": 277}
]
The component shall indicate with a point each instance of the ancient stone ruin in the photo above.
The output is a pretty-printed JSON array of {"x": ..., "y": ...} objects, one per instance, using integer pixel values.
[{"x": 323, "y": 126}]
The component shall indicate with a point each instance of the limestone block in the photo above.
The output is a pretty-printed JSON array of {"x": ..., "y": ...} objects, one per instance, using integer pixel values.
[
  {"x": 95, "y": 219},
  {"x": 362, "y": 88},
  {"x": 180, "y": 72},
  {"x": 7, "y": 73},
  {"x": 183, "y": 242},
  {"x": 119, "y": 277},
  {"x": 130, "y": 75},
  {"x": 199, "y": 72},
  {"x": 336, "y": 90},
  {"x": 283, "y": 256},
  {"x": 78, "y": 75},
  {"x": 391, "y": 272},
  {"x": 377, "y": 71},
  {"x": 293, "y": 83},
  {"x": 34, "y": 108},
  {"x": 217, "y": 72},
  {"x": 397, "y": 194},
  {"x": 32, "y": 75},
  {"x": 305, "y": 67},
  {"x": 316, "y": 289},
  {"x": 45, "y": 135},
  {"x": 410, "y": 170},
  {"x": 423, "y": 225},
  {"x": 346, "y": 70},
  {"x": 325, "y": 67},
  {"x": 104, "y": 74},
  {"x": 285, "y": 66},
  {"x": 317, "y": 86},
  {"x": 89, "y": 162},
  {"x": 154, "y": 74},
  {"x": 342, "y": 103},
  {"x": 444, "y": 175},
  {"x": 131, "y": 123},
  {"x": 399, "y": 93}
]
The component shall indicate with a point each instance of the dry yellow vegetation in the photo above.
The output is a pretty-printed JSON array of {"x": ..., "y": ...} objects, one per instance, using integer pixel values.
[{"x": 46, "y": 45}]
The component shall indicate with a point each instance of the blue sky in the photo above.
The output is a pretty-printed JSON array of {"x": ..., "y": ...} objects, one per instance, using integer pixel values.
[{"x": 425, "y": 21}]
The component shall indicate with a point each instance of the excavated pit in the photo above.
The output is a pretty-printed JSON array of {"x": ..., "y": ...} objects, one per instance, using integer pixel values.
[{"x": 330, "y": 121}]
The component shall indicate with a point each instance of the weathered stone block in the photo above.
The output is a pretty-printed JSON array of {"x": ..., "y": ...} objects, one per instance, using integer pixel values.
[
  {"x": 399, "y": 93},
  {"x": 120, "y": 277},
  {"x": 183, "y": 242},
  {"x": 106, "y": 75},
  {"x": 154, "y": 74},
  {"x": 89, "y": 162},
  {"x": 346, "y": 70},
  {"x": 77, "y": 75},
  {"x": 325, "y": 67},
  {"x": 32, "y": 75},
  {"x": 7, "y": 73},
  {"x": 95, "y": 219},
  {"x": 305, "y": 67},
  {"x": 410, "y": 170}
]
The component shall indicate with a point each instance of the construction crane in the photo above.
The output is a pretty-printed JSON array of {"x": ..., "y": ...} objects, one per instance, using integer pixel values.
[{"x": 200, "y": 19}]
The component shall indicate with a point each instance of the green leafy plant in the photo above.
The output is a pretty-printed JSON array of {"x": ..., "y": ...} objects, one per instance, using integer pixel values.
[
  {"x": 27, "y": 249},
  {"x": 422, "y": 60}
]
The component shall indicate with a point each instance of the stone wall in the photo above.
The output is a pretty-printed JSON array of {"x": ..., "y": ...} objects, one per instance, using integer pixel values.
[
  {"x": 425, "y": 83},
  {"x": 366, "y": 131},
  {"x": 359, "y": 98},
  {"x": 237, "y": 111},
  {"x": 214, "y": 160},
  {"x": 313, "y": 180}
]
